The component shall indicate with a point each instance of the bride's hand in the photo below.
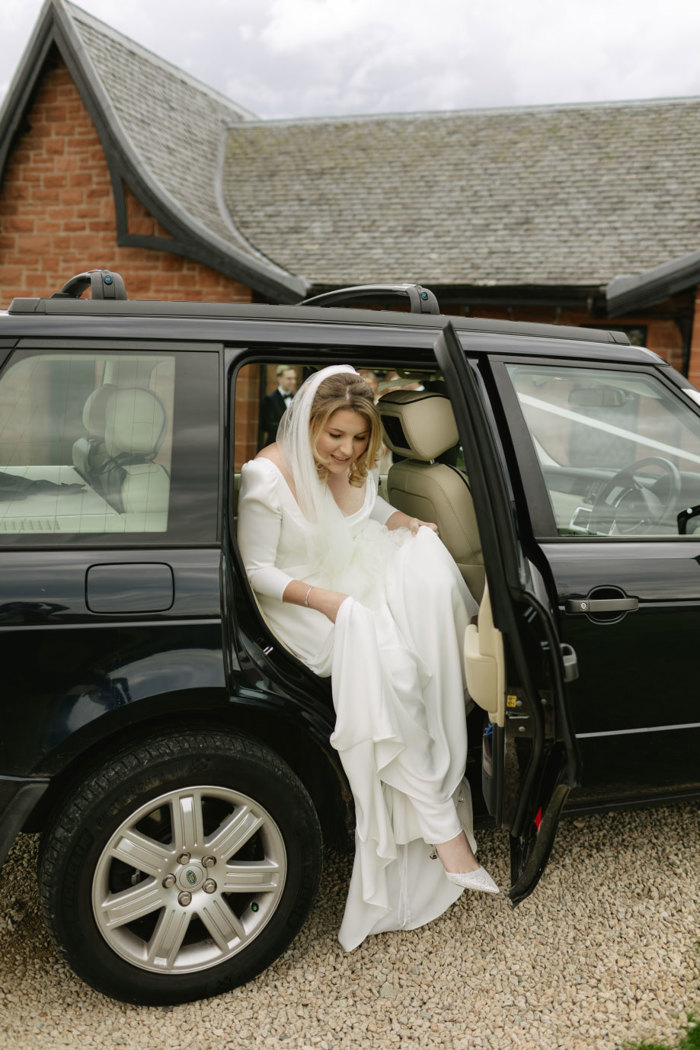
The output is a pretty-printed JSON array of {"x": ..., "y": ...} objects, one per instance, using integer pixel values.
[
  {"x": 415, "y": 524},
  {"x": 399, "y": 520}
]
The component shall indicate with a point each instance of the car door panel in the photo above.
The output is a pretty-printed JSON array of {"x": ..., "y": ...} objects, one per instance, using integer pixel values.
[
  {"x": 628, "y": 603},
  {"x": 636, "y": 717},
  {"x": 531, "y": 758}
]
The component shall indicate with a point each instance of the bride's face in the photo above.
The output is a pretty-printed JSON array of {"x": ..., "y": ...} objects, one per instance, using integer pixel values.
[{"x": 343, "y": 439}]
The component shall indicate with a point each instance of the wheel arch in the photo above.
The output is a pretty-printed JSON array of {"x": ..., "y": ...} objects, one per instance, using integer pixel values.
[{"x": 307, "y": 752}]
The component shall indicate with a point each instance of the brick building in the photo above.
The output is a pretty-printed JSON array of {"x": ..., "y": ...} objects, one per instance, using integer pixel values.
[{"x": 109, "y": 156}]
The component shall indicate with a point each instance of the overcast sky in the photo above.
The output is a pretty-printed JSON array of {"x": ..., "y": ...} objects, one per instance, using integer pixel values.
[{"x": 296, "y": 58}]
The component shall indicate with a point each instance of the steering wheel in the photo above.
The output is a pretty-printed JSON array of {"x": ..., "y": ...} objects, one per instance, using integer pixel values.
[{"x": 625, "y": 505}]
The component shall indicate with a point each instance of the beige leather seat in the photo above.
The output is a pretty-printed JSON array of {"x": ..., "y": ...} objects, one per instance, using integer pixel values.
[
  {"x": 89, "y": 453},
  {"x": 135, "y": 424},
  {"x": 420, "y": 426}
]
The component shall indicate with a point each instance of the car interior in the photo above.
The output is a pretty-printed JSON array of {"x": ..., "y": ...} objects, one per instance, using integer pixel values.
[
  {"x": 602, "y": 441},
  {"x": 85, "y": 443},
  {"x": 422, "y": 473}
]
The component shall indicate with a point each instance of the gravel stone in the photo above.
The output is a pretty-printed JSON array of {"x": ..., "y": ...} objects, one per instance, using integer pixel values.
[{"x": 604, "y": 952}]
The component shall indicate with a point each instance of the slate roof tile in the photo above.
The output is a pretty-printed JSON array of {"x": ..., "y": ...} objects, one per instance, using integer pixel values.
[
  {"x": 174, "y": 124},
  {"x": 544, "y": 195},
  {"x": 552, "y": 195}
]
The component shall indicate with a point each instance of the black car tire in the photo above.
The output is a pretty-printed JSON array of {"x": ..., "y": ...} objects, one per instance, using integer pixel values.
[{"x": 203, "y": 832}]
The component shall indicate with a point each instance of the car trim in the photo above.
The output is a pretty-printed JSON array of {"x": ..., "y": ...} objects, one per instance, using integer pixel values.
[{"x": 639, "y": 729}]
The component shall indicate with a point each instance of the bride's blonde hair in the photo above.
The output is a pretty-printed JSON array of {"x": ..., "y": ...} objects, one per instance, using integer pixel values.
[{"x": 346, "y": 390}]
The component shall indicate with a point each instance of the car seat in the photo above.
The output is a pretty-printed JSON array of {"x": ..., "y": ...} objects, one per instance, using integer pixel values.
[
  {"x": 419, "y": 426},
  {"x": 89, "y": 453},
  {"x": 135, "y": 423}
]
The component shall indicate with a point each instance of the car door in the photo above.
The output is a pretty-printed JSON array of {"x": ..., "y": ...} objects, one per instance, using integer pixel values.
[
  {"x": 611, "y": 451},
  {"x": 516, "y": 665},
  {"x": 109, "y": 558}
]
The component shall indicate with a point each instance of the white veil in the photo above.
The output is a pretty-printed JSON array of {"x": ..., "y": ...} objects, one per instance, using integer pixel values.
[
  {"x": 295, "y": 445},
  {"x": 338, "y": 558}
]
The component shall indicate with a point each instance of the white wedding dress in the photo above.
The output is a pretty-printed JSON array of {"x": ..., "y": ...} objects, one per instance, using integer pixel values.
[{"x": 395, "y": 660}]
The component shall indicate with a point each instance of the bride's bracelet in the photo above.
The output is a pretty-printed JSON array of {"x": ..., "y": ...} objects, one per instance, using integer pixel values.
[{"x": 306, "y": 599}]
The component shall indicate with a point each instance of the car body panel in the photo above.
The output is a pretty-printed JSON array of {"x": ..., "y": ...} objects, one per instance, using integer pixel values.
[{"x": 93, "y": 655}]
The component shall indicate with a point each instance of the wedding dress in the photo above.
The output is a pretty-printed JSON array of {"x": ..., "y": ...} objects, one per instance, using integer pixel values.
[{"x": 394, "y": 656}]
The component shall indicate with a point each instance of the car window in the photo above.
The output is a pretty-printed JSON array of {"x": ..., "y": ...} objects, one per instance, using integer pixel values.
[
  {"x": 88, "y": 444},
  {"x": 619, "y": 451}
]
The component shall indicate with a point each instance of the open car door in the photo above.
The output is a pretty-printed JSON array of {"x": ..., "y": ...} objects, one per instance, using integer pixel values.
[{"x": 516, "y": 666}]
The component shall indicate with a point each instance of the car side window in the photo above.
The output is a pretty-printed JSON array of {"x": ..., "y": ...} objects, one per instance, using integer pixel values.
[
  {"x": 87, "y": 444},
  {"x": 618, "y": 450}
]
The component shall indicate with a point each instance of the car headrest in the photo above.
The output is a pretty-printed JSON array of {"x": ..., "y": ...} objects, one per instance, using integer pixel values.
[
  {"x": 135, "y": 423},
  {"x": 418, "y": 424},
  {"x": 95, "y": 410}
]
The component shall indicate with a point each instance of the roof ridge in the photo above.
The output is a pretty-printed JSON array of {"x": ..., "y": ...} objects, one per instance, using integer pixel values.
[{"x": 473, "y": 111}]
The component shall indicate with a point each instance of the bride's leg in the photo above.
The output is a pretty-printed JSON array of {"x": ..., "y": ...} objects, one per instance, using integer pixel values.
[
  {"x": 456, "y": 854},
  {"x": 462, "y": 867}
]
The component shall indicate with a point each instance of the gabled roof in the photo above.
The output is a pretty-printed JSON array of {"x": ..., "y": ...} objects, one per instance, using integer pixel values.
[
  {"x": 163, "y": 134},
  {"x": 550, "y": 195},
  {"x": 562, "y": 196}
]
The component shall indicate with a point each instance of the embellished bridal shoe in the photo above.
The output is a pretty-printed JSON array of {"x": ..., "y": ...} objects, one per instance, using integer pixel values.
[{"x": 473, "y": 880}]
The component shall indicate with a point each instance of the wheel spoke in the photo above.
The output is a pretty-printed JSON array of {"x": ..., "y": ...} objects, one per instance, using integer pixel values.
[
  {"x": 225, "y": 927},
  {"x": 120, "y": 908},
  {"x": 167, "y": 938},
  {"x": 188, "y": 823},
  {"x": 235, "y": 832},
  {"x": 255, "y": 877},
  {"x": 142, "y": 853}
]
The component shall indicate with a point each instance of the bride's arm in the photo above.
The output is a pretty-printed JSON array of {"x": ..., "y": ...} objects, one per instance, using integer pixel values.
[
  {"x": 259, "y": 526},
  {"x": 327, "y": 602}
]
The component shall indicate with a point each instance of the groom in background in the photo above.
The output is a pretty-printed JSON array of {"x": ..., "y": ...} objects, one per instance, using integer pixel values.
[{"x": 274, "y": 405}]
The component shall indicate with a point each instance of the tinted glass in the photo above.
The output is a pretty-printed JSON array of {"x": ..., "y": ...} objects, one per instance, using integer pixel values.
[
  {"x": 619, "y": 451},
  {"x": 111, "y": 445}
]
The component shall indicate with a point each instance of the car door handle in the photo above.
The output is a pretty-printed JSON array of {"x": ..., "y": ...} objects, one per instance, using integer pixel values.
[{"x": 600, "y": 605}]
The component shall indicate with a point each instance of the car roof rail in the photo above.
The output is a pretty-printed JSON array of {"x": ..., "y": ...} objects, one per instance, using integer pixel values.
[
  {"x": 103, "y": 284},
  {"x": 421, "y": 300}
]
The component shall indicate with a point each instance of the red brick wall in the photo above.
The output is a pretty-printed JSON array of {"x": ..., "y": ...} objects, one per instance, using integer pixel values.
[
  {"x": 694, "y": 368},
  {"x": 57, "y": 215}
]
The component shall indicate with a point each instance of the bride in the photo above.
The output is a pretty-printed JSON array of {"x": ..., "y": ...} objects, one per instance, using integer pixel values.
[{"x": 360, "y": 591}]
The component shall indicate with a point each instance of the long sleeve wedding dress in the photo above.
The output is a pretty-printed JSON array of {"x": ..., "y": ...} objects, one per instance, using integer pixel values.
[{"x": 394, "y": 656}]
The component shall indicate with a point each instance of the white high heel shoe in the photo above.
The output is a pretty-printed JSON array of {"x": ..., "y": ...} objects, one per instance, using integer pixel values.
[{"x": 473, "y": 880}]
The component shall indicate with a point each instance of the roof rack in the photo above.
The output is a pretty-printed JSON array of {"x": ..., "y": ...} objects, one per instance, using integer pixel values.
[
  {"x": 104, "y": 284},
  {"x": 422, "y": 300},
  {"x": 107, "y": 289}
]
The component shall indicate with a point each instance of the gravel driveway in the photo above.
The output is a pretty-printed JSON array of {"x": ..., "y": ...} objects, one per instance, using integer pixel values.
[{"x": 606, "y": 950}]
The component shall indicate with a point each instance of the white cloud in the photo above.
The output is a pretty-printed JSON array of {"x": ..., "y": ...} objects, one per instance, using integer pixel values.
[{"x": 307, "y": 57}]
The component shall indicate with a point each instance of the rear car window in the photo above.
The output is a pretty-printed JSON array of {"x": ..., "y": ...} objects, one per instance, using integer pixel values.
[{"x": 108, "y": 445}]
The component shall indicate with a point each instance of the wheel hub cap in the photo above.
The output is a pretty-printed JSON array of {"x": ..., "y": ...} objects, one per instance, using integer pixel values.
[{"x": 189, "y": 879}]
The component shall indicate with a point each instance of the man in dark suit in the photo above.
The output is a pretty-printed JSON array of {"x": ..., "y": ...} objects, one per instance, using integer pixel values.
[{"x": 274, "y": 405}]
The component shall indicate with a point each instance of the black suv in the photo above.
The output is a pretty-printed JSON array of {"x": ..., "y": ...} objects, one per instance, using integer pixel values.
[{"x": 173, "y": 753}]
